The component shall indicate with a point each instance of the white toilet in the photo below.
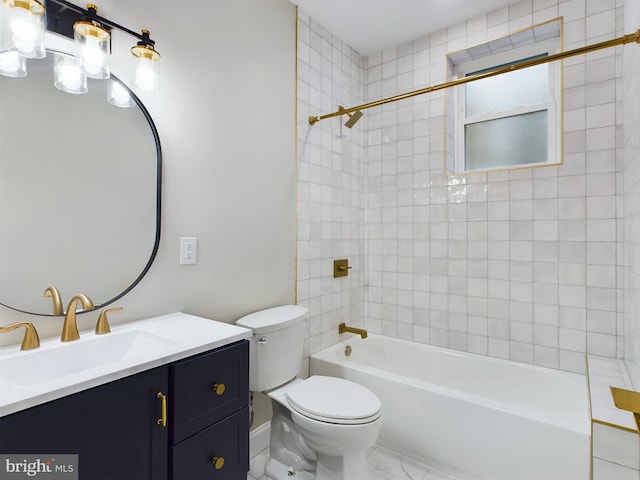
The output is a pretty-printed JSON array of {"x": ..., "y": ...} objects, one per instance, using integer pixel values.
[{"x": 321, "y": 427}]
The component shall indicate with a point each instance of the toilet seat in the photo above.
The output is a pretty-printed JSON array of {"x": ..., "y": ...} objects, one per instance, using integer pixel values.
[{"x": 333, "y": 400}]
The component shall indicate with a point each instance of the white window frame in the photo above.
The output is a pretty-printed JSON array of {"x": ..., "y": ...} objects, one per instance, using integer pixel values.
[{"x": 553, "y": 106}]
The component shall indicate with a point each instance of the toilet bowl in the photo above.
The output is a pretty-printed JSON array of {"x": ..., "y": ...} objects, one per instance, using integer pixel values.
[{"x": 321, "y": 426}]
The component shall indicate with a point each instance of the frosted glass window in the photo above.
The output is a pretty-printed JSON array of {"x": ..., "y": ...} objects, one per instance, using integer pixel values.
[
  {"x": 507, "y": 141},
  {"x": 507, "y": 120},
  {"x": 520, "y": 88}
]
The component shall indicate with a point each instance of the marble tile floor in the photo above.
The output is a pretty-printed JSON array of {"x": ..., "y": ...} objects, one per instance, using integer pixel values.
[{"x": 383, "y": 465}]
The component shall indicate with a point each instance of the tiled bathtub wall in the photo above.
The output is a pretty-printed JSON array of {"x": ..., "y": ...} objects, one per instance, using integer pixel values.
[
  {"x": 331, "y": 185},
  {"x": 522, "y": 264}
]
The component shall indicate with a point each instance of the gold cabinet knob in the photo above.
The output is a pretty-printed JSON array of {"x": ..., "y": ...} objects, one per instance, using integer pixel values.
[
  {"x": 218, "y": 462},
  {"x": 219, "y": 388}
]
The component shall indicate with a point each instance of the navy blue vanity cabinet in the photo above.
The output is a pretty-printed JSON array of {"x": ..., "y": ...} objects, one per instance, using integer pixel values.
[
  {"x": 121, "y": 431},
  {"x": 113, "y": 428},
  {"x": 209, "y": 427}
]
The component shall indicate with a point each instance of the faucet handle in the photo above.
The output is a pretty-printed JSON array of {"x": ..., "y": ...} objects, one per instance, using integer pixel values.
[
  {"x": 102, "y": 326},
  {"x": 30, "y": 340}
]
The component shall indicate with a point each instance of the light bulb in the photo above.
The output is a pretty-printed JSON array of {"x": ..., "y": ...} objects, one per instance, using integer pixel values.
[
  {"x": 71, "y": 76},
  {"x": 145, "y": 75},
  {"x": 24, "y": 36},
  {"x": 10, "y": 62},
  {"x": 92, "y": 56},
  {"x": 24, "y": 30},
  {"x": 68, "y": 75},
  {"x": 119, "y": 96}
]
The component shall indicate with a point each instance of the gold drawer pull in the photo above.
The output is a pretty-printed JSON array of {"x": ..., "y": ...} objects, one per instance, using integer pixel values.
[
  {"x": 162, "y": 421},
  {"x": 218, "y": 462},
  {"x": 219, "y": 388}
]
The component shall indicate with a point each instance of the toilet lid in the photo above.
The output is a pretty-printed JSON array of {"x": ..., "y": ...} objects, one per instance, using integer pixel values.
[{"x": 334, "y": 400}]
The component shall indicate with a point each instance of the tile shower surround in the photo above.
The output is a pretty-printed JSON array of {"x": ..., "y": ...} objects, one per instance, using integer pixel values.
[{"x": 522, "y": 264}]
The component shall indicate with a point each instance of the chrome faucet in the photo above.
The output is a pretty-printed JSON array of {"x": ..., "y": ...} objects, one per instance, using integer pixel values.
[
  {"x": 70, "y": 327},
  {"x": 53, "y": 293},
  {"x": 30, "y": 340},
  {"x": 342, "y": 328}
]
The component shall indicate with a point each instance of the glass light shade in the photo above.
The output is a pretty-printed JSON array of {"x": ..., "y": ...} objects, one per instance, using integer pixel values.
[
  {"x": 68, "y": 75},
  {"x": 92, "y": 49},
  {"x": 146, "y": 71},
  {"x": 23, "y": 26},
  {"x": 12, "y": 64},
  {"x": 118, "y": 95}
]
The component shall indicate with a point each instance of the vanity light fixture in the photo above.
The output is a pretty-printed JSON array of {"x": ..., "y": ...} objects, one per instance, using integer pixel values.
[
  {"x": 146, "y": 63},
  {"x": 93, "y": 42},
  {"x": 68, "y": 74},
  {"x": 22, "y": 27},
  {"x": 119, "y": 96}
]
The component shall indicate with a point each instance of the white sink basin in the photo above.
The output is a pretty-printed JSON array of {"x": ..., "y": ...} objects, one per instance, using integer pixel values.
[
  {"x": 69, "y": 358},
  {"x": 57, "y": 369}
]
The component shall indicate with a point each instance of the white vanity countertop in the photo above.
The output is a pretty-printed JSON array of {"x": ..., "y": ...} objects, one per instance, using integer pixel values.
[{"x": 56, "y": 369}]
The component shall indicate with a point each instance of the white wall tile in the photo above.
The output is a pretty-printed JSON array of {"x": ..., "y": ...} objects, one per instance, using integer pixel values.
[
  {"x": 603, "y": 470},
  {"x": 523, "y": 264},
  {"x": 617, "y": 446}
]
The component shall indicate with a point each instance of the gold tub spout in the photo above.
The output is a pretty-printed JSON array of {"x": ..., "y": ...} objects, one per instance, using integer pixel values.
[
  {"x": 70, "y": 327},
  {"x": 30, "y": 340},
  {"x": 342, "y": 328}
]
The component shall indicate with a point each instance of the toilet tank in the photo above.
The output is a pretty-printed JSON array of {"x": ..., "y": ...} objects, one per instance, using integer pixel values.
[{"x": 275, "y": 349}]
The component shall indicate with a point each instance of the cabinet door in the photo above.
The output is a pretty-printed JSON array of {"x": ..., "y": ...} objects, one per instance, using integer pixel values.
[
  {"x": 113, "y": 428},
  {"x": 219, "y": 452},
  {"x": 207, "y": 388}
]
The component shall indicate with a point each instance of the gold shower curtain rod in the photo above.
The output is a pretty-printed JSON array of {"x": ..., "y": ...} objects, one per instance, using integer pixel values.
[{"x": 633, "y": 37}]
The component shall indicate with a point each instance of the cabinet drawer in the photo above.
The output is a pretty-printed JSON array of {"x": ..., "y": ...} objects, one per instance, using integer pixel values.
[
  {"x": 208, "y": 388},
  {"x": 227, "y": 441}
]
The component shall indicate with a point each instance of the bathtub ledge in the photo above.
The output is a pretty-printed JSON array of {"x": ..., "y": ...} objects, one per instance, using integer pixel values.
[{"x": 602, "y": 373}]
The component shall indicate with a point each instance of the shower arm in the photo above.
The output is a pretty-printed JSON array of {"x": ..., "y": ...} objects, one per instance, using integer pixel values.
[{"x": 631, "y": 38}]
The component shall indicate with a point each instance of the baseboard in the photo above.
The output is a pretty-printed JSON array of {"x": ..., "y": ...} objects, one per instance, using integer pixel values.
[{"x": 259, "y": 439}]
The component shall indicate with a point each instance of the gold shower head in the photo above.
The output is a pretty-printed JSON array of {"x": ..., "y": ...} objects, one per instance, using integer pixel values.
[{"x": 353, "y": 118}]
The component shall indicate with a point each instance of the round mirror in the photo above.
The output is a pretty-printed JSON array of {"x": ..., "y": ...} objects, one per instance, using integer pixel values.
[{"x": 80, "y": 184}]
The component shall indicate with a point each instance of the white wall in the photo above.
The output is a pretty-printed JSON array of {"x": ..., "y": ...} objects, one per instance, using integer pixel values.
[{"x": 226, "y": 118}]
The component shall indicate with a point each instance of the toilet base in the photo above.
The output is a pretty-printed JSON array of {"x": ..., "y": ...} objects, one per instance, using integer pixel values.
[
  {"x": 352, "y": 465},
  {"x": 274, "y": 470},
  {"x": 329, "y": 467}
]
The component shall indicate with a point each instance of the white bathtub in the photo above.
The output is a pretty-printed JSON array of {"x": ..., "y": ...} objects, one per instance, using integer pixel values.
[{"x": 472, "y": 416}]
